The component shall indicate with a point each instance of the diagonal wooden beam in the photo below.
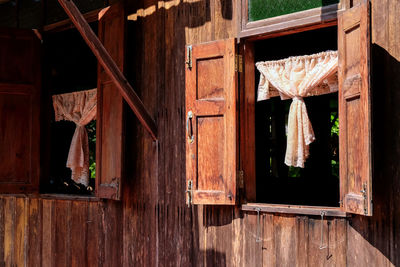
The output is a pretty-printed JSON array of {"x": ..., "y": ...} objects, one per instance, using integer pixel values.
[{"x": 110, "y": 67}]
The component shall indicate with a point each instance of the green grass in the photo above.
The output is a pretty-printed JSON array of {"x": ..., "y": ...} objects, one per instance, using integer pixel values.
[{"x": 263, "y": 9}]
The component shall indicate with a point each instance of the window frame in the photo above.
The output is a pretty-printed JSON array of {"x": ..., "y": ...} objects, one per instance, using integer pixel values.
[
  {"x": 247, "y": 130},
  {"x": 247, "y": 120},
  {"x": 314, "y": 16},
  {"x": 103, "y": 189}
]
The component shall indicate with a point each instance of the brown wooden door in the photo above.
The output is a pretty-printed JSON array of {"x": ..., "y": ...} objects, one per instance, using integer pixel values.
[
  {"x": 211, "y": 97},
  {"x": 355, "y": 109},
  {"x": 19, "y": 111},
  {"x": 110, "y": 108}
]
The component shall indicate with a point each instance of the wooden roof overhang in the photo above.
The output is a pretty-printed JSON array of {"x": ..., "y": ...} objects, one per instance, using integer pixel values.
[{"x": 109, "y": 65}]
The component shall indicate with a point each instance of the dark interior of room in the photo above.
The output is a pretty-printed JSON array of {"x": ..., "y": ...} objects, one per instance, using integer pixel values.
[
  {"x": 318, "y": 183},
  {"x": 69, "y": 65}
]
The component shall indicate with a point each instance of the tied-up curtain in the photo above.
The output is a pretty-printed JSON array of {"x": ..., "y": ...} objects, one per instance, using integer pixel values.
[
  {"x": 295, "y": 78},
  {"x": 80, "y": 108}
]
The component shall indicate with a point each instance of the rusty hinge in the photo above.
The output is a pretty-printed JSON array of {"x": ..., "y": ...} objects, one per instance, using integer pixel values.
[
  {"x": 240, "y": 178},
  {"x": 189, "y": 192},
  {"x": 188, "y": 61},
  {"x": 239, "y": 63},
  {"x": 364, "y": 193}
]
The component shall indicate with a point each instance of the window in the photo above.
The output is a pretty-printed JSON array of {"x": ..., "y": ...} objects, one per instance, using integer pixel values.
[
  {"x": 69, "y": 67},
  {"x": 317, "y": 184},
  {"x": 26, "y": 98},
  {"x": 224, "y": 123}
]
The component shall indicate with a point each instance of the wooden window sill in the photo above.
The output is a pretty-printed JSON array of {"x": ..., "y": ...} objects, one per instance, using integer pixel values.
[
  {"x": 294, "y": 209},
  {"x": 70, "y": 197}
]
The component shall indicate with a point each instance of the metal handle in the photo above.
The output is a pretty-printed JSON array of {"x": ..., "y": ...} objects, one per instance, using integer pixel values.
[
  {"x": 189, "y": 129},
  {"x": 322, "y": 246},
  {"x": 258, "y": 237}
]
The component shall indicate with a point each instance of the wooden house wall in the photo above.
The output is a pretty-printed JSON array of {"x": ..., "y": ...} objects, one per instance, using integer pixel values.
[{"x": 152, "y": 226}]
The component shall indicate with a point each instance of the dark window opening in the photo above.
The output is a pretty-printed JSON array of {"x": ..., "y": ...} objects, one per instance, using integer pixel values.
[
  {"x": 69, "y": 66},
  {"x": 318, "y": 183}
]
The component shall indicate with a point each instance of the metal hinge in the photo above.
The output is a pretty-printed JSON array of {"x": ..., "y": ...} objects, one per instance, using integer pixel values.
[
  {"x": 239, "y": 63},
  {"x": 188, "y": 61},
  {"x": 189, "y": 192},
  {"x": 364, "y": 193},
  {"x": 240, "y": 178}
]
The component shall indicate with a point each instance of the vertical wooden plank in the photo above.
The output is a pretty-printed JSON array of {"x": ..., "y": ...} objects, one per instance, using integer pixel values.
[
  {"x": 303, "y": 241},
  {"x": 21, "y": 231},
  {"x": 9, "y": 231},
  {"x": 35, "y": 232},
  {"x": 79, "y": 224},
  {"x": 247, "y": 120},
  {"x": 2, "y": 228},
  {"x": 285, "y": 240},
  {"x": 48, "y": 233},
  {"x": 95, "y": 240},
  {"x": 268, "y": 250},
  {"x": 237, "y": 240},
  {"x": 224, "y": 19},
  {"x": 251, "y": 247},
  {"x": 112, "y": 230},
  {"x": 62, "y": 225}
]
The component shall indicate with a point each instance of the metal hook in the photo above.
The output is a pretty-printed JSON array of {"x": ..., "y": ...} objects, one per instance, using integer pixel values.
[
  {"x": 322, "y": 246},
  {"x": 258, "y": 238}
]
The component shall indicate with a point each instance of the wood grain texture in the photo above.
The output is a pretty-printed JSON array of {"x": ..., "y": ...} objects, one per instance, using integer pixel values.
[
  {"x": 110, "y": 106},
  {"x": 355, "y": 110},
  {"x": 211, "y": 96},
  {"x": 19, "y": 111},
  {"x": 159, "y": 230},
  {"x": 247, "y": 120}
]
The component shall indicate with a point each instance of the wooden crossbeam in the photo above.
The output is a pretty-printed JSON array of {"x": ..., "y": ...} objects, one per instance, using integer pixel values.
[{"x": 110, "y": 66}]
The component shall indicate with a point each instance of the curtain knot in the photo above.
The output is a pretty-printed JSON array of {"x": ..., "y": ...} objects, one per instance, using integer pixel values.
[{"x": 298, "y": 98}]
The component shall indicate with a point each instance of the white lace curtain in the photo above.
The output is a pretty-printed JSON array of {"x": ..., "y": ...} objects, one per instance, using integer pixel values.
[
  {"x": 295, "y": 78},
  {"x": 80, "y": 108}
]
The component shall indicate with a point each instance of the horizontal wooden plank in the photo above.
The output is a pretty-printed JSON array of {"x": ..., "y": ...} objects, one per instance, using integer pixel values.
[
  {"x": 110, "y": 67},
  {"x": 303, "y": 210},
  {"x": 70, "y": 197}
]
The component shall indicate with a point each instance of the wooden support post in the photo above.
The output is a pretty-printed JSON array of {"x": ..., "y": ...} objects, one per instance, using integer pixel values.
[{"x": 109, "y": 66}]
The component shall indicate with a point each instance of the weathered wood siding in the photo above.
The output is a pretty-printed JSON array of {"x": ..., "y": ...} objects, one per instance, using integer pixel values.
[
  {"x": 48, "y": 232},
  {"x": 375, "y": 241},
  {"x": 152, "y": 226}
]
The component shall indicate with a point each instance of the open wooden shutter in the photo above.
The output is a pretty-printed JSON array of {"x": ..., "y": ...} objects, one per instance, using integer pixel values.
[
  {"x": 211, "y": 97},
  {"x": 355, "y": 109},
  {"x": 19, "y": 111},
  {"x": 110, "y": 107}
]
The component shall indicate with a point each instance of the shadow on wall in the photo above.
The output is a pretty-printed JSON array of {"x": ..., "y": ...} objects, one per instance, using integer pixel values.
[
  {"x": 200, "y": 11},
  {"x": 213, "y": 258},
  {"x": 220, "y": 215},
  {"x": 381, "y": 230}
]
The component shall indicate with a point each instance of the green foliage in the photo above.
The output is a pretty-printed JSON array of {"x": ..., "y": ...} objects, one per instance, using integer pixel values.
[
  {"x": 262, "y": 9},
  {"x": 91, "y": 129},
  {"x": 335, "y": 124},
  {"x": 294, "y": 172},
  {"x": 334, "y": 144}
]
